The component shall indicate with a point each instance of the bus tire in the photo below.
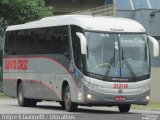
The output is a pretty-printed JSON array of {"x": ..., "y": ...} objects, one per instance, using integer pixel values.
[
  {"x": 23, "y": 102},
  {"x": 69, "y": 105},
  {"x": 124, "y": 108}
]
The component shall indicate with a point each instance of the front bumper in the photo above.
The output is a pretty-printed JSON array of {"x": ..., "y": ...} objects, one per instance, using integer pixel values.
[{"x": 93, "y": 97}]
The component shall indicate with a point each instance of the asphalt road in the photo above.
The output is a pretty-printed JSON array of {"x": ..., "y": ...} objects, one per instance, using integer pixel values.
[{"x": 52, "y": 110}]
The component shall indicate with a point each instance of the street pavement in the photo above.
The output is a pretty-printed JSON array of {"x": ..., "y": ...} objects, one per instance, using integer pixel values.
[{"x": 52, "y": 110}]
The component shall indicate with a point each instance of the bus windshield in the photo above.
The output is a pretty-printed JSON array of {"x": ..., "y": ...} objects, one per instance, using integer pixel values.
[{"x": 117, "y": 55}]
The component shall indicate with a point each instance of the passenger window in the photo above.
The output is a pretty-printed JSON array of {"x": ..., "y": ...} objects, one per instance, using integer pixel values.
[{"x": 50, "y": 40}]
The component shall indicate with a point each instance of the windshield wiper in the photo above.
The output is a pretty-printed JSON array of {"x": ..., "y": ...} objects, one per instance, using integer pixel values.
[
  {"x": 110, "y": 62},
  {"x": 129, "y": 67}
]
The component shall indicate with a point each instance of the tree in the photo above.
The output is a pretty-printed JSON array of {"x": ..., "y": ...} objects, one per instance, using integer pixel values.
[
  {"x": 21, "y": 11},
  {"x": 18, "y": 12}
]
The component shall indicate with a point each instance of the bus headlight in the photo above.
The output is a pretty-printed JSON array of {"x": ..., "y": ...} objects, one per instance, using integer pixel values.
[
  {"x": 89, "y": 96},
  {"x": 147, "y": 98}
]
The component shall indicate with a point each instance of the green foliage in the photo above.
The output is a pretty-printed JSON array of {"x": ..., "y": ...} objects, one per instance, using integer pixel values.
[
  {"x": 18, "y": 12},
  {"x": 21, "y": 11}
]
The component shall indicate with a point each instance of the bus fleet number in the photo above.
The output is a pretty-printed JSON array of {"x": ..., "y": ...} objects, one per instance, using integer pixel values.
[{"x": 120, "y": 85}]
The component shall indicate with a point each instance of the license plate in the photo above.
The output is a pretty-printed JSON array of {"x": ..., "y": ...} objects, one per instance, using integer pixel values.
[{"x": 120, "y": 98}]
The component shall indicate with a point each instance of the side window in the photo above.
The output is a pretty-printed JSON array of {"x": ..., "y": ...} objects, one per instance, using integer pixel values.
[
  {"x": 7, "y": 45},
  {"x": 18, "y": 42},
  {"x": 50, "y": 40},
  {"x": 54, "y": 40},
  {"x": 11, "y": 40},
  {"x": 76, "y": 47}
]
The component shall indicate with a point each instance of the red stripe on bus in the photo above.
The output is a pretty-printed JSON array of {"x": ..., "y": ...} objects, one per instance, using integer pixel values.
[
  {"x": 54, "y": 60},
  {"x": 41, "y": 83}
]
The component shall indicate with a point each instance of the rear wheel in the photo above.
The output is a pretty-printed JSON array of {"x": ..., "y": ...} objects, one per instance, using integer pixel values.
[
  {"x": 22, "y": 101},
  {"x": 124, "y": 108},
  {"x": 69, "y": 105}
]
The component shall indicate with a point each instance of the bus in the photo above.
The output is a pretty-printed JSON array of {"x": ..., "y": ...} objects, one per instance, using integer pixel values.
[{"x": 78, "y": 60}]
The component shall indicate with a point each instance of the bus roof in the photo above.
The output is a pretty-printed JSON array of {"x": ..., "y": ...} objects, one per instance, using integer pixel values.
[{"x": 98, "y": 23}]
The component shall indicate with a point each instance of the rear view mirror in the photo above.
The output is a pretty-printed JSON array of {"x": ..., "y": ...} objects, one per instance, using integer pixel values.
[
  {"x": 83, "y": 43},
  {"x": 155, "y": 46}
]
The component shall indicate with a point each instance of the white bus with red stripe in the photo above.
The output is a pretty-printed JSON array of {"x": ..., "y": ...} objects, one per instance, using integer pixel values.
[{"x": 78, "y": 60}]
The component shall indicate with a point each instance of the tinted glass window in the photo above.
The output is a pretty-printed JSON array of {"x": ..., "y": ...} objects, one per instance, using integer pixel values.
[{"x": 53, "y": 40}]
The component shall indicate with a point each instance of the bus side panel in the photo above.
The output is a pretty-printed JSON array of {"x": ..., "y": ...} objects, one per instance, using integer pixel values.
[
  {"x": 9, "y": 86},
  {"x": 9, "y": 81},
  {"x": 37, "y": 89},
  {"x": 42, "y": 78},
  {"x": 38, "y": 75}
]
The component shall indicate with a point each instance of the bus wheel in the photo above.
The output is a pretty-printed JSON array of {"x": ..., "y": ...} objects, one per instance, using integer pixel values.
[
  {"x": 21, "y": 100},
  {"x": 124, "y": 108},
  {"x": 69, "y": 105}
]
